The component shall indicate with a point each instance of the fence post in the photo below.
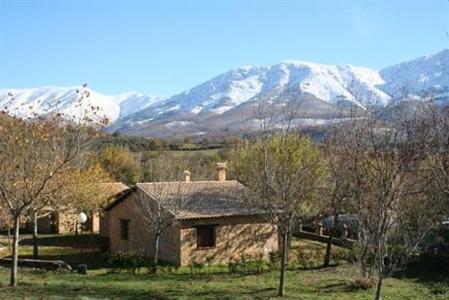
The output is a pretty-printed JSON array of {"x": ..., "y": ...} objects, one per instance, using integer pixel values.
[
  {"x": 319, "y": 228},
  {"x": 344, "y": 232}
]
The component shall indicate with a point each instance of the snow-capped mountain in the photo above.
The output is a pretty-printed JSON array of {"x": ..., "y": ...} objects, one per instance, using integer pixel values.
[
  {"x": 427, "y": 74},
  {"x": 228, "y": 102},
  {"x": 329, "y": 83},
  {"x": 72, "y": 102}
]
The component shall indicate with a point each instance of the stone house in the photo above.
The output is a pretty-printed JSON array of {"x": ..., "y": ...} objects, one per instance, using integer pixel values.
[
  {"x": 208, "y": 221},
  {"x": 112, "y": 192},
  {"x": 65, "y": 221},
  {"x": 55, "y": 222}
]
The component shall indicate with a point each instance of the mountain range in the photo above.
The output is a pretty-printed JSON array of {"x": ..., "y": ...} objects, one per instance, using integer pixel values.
[{"x": 230, "y": 102}]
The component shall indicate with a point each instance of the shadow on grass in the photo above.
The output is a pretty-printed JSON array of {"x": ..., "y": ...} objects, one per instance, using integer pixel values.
[
  {"x": 93, "y": 259},
  {"x": 430, "y": 270},
  {"x": 124, "y": 286},
  {"x": 51, "y": 290},
  {"x": 427, "y": 269},
  {"x": 339, "y": 287},
  {"x": 314, "y": 268},
  {"x": 198, "y": 277},
  {"x": 266, "y": 293},
  {"x": 75, "y": 241},
  {"x": 72, "y": 249}
]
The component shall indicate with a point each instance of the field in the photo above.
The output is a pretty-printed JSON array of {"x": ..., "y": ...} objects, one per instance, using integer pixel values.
[
  {"x": 305, "y": 281},
  {"x": 198, "y": 153}
]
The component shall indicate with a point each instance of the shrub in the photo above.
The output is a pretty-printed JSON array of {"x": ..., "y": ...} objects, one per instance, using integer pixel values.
[
  {"x": 126, "y": 261},
  {"x": 257, "y": 265},
  {"x": 169, "y": 269},
  {"x": 195, "y": 267},
  {"x": 363, "y": 283},
  {"x": 342, "y": 255},
  {"x": 247, "y": 264},
  {"x": 233, "y": 265},
  {"x": 307, "y": 258},
  {"x": 274, "y": 259}
]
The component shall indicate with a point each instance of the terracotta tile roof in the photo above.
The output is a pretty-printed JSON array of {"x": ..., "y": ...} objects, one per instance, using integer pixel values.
[
  {"x": 112, "y": 189},
  {"x": 110, "y": 192},
  {"x": 201, "y": 199}
]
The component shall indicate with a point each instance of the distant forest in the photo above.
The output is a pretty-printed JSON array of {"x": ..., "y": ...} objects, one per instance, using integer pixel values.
[{"x": 139, "y": 143}]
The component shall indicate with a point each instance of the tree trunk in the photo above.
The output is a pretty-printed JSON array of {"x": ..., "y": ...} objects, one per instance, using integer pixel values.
[
  {"x": 156, "y": 251},
  {"x": 283, "y": 269},
  {"x": 380, "y": 280},
  {"x": 364, "y": 264},
  {"x": 327, "y": 256},
  {"x": 9, "y": 235},
  {"x": 380, "y": 266},
  {"x": 156, "y": 248},
  {"x": 363, "y": 255},
  {"x": 15, "y": 252},
  {"x": 35, "y": 241}
]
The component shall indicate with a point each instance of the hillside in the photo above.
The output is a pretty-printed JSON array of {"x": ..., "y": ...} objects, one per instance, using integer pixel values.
[{"x": 229, "y": 103}]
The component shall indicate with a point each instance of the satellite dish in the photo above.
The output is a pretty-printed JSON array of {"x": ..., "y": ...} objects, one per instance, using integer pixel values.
[{"x": 82, "y": 218}]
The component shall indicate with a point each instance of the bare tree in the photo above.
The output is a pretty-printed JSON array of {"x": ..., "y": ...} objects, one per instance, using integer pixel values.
[
  {"x": 384, "y": 158},
  {"x": 77, "y": 189},
  {"x": 336, "y": 189},
  {"x": 32, "y": 155},
  {"x": 159, "y": 212},
  {"x": 438, "y": 151}
]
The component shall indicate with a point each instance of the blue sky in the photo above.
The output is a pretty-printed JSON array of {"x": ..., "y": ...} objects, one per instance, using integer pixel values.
[{"x": 164, "y": 47}]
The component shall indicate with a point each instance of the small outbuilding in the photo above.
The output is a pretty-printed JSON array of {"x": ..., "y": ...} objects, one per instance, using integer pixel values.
[
  {"x": 206, "y": 221},
  {"x": 65, "y": 220}
]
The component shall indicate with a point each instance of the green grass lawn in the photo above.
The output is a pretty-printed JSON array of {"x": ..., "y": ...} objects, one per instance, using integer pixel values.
[{"x": 304, "y": 281}]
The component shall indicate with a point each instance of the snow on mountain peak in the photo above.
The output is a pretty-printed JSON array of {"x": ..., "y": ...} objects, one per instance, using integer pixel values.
[
  {"x": 428, "y": 74},
  {"x": 326, "y": 82},
  {"x": 26, "y": 103},
  {"x": 225, "y": 100}
]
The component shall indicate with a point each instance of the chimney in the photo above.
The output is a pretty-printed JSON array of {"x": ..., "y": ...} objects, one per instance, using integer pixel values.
[
  {"x": 187, "y": 175},
  {"x": 221, "y": 171}
]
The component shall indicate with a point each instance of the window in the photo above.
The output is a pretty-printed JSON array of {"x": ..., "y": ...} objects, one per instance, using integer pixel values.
[
  {"x": 124, "y": 229},
  {"x": 205, "y": 236}
]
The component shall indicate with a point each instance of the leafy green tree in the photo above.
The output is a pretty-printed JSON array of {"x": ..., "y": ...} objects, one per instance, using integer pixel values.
[
  {"x": 283, "y": 172},
  {"x": 120, "y": 163}
]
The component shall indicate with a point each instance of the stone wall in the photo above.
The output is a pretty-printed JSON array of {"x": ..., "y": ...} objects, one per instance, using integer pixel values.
[
  {"x": 234, "y": 236},
  {"x": 141, "y": 237},
  {"x": 95, "y": 222},
  {"x": 104, "y": 224},
  {"x": 66, "y": 222},
  {"x": 54, "y": 223}
]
